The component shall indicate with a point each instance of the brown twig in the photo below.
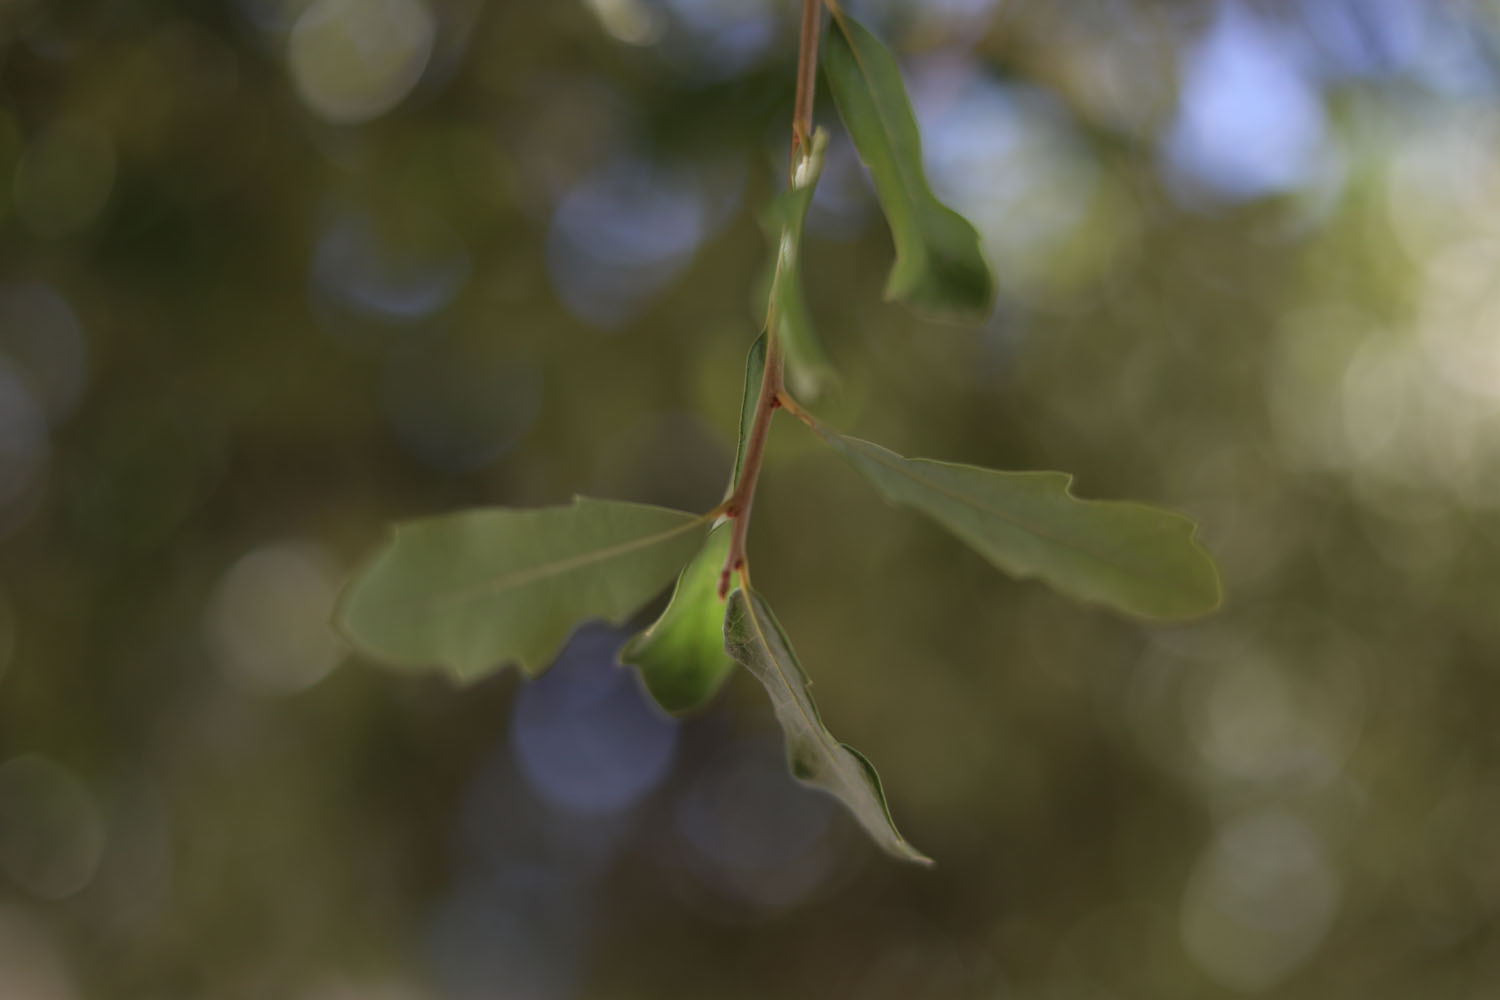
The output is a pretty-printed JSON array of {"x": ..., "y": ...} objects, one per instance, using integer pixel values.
[
  {"x": 772, "y": 384},
  {"x": 807, "y": 75}
]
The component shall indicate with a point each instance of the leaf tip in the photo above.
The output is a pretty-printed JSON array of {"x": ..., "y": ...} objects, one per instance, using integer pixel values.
[{"x": 1211, "y": 584}]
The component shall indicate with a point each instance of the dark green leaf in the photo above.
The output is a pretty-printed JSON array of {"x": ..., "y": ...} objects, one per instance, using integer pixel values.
[
  {"x": 754, "y": 638},
  {"x": 681, "y": 656},
  {"x": 1137, "y": 559},
  {"x": 471, "y": 591},
  {"x": 940, "y": 270}
]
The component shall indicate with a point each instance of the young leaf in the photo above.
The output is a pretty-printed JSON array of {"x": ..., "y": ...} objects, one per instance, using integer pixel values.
[
  {"x": 471, "y": 591},
  {"x": 755, "y": 374},
  {"x": 754, "y": 638},
  {"x": 681, "y": 656},
  {"x": 1134, "y": 558},
  {"x": 808, "y": 367},
  {"x": 940, "y": 270}
]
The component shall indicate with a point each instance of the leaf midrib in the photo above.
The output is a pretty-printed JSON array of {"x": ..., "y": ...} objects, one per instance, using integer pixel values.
[
  {"x": 824, "y": 737},
  {"x": 914, "y": 189},
  {"x": 531, "y": 574}
]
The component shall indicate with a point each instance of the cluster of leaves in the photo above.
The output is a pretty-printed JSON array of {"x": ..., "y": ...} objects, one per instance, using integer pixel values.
[{"x": 471, "y": 591}]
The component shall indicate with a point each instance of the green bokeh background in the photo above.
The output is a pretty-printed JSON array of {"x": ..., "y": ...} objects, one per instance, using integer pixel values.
[{"x": 317, "y": 292}]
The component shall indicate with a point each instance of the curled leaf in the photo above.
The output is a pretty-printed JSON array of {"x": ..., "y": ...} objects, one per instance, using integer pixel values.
[
  {"x": 681, "y": 657},
  {"x": 755, "y": 639}
]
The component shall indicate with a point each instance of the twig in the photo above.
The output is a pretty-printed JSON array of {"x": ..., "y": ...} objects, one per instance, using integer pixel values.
[{"x": 772, "y": 384}]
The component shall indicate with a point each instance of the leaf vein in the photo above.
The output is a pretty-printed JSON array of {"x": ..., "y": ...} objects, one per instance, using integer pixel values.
[{"x": 532, "y": 574}]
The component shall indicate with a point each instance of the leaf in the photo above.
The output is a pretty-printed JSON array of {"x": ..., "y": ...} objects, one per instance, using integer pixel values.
[
  {"x": 808, "y": 368},
  {"x": 1134, "y": 558},
  {"x": 471, "y": 591},
  {"x": 755, "y": 374},
  {"x": 940, "y": 270},
  {"x": 754, "y": 638},
  {"x": 681, "y": 657}
]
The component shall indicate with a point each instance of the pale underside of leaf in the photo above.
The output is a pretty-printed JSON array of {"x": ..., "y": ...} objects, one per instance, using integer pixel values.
[
  {"x": 1134, "y": 558},
  {"x": 940, "y": 270},
  {"x": 755, "y": 639},
  {"x": 681, "y": 657},
  {"x": 471, "y": 591}
]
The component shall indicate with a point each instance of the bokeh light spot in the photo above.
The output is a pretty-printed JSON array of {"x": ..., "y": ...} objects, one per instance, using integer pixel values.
[
  {"x": 1006, "y": 158},
  {"x": 1250, "y": 123},
  {"x": 399, "y": 270},
  {"x": 267, "y": 622},
  {"x": 1366, "y": 38},
  {"x": 631, "y": 21},
  {"x": 583, "y": 734},
  {"x": 51, "y": 833},
  {"x": 1254, "y": 720},
  {"x": 354, "y": 60},
  {"x": 1435, "y": 179},
  {"x": 1259, "y": 901},
  {"x": 622, "y": 235}
]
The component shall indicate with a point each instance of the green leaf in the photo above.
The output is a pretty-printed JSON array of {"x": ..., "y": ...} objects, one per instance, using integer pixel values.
[
  {"x": 754, "y": 638},
  {"x": 681, "y": 656},
  {"x": 755, "y": 374},
  {"x": 471, "y": 591},
  {"x": 940, "y": 270},
  {"x": 809, "y": 371},
  {"x": 1134, "y": 558}
]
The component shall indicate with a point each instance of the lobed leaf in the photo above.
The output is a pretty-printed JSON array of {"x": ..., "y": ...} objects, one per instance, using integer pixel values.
[
  {"x": 1134, "y": 558},
  {"x": 470, "y": 591},
  {"x": 940, "y": 269},
  {"x": 681, "y": 657},
  {"x": 755, "y": 639}
]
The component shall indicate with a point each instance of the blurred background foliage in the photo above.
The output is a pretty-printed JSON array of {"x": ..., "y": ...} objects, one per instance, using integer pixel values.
[{"x": 275, "y": 272}]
